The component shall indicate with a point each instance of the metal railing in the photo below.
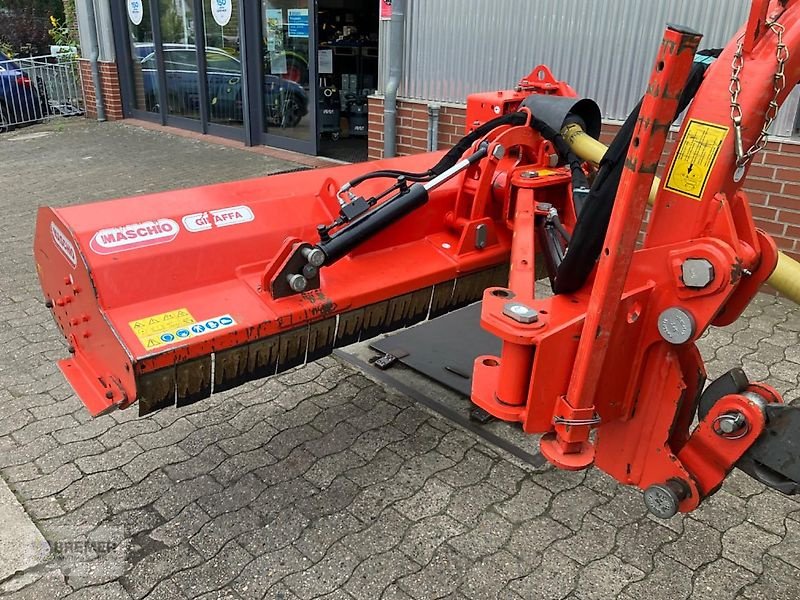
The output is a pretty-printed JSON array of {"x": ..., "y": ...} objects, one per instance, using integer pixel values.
[{"x": 39, "y": 88}]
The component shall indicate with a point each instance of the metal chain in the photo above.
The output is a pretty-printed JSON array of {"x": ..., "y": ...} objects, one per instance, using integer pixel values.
[{"x": 778, "y": 84}]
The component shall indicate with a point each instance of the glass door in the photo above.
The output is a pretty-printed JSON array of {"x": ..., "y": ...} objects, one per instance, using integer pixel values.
[{"x": 289, "y": 74}]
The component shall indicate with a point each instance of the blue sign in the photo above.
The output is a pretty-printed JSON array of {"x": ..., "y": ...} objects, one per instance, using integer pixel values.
[
  {"x": 198, "y": 328},
  {"x": 298, "y": 22},
  {"x": 212, "y": 324},
  {"x": 225, "y": 321},
  {"x": 182, "y": 333},
  {"x": 167, "y": 337}
]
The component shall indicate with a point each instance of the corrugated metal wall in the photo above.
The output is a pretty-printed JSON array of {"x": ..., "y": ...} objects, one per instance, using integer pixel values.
[{"x": 604, "y": 49}]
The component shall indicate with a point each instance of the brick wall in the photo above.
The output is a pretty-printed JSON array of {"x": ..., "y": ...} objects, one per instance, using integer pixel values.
[
  {"x": 773, "y": 183},
  {"x": 109, "y": 79}
]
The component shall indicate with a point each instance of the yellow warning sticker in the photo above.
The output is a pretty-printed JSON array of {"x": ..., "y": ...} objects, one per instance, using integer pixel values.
[
  {"x": 696, "y": 155},
  {"x": 175, "y": 326},
  {"x": 159, "y": 330}
]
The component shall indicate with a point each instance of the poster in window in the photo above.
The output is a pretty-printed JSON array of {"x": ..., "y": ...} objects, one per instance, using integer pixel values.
[
  {"x": 222, "y": 10},
  {"x": 274, "y": 29},
  {"x": 135, "y": 11},
  {"x": 298, "y": 22}
]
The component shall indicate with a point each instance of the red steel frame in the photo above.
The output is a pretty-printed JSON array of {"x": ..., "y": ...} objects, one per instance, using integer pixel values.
[{"x": 624, "y": 382}]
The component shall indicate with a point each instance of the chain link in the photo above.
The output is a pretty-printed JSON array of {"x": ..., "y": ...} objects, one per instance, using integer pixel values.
[{"x": 735, "y": 87}]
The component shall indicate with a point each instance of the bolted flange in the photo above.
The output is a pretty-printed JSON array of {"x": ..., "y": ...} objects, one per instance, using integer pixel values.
[{"x": 521, "y": 313}]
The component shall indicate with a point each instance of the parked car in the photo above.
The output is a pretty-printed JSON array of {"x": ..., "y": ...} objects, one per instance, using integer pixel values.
[
  {"x": 285, "y": 102},
  {"x": 19, "y": 100}
]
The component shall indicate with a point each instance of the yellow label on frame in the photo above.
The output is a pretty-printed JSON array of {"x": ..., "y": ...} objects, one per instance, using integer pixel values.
[
  {"x": 159, "y": 330},
  {"x": 697, "y": 152}
]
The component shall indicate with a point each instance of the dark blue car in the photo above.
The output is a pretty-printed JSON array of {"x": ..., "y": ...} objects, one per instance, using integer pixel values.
[
  {"x": 19, "y": 100},
  {"x": 285, "y": 102}
]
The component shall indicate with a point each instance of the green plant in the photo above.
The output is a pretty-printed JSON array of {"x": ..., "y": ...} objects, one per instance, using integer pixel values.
[{"x": 61, "y": 35}]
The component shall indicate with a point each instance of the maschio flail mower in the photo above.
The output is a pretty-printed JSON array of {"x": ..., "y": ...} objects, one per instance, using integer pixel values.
[{"x": 169, "y": 297}]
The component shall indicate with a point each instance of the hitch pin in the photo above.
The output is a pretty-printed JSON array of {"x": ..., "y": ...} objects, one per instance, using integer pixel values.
[{"x": 737, "y": 136}]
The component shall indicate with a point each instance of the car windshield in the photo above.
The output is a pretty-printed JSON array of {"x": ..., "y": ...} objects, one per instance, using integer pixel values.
[{"x": 220, "y": 62}]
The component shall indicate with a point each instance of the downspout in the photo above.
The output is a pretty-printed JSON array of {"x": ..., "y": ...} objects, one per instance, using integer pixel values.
[
  {"x": 433, "y": 126},
  {"x": 396, "y": 45},
  {"x": 94, "y": 56}
]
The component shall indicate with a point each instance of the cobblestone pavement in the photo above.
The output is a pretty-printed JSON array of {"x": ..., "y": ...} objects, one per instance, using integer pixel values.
[{"x": 321, "y": 483}]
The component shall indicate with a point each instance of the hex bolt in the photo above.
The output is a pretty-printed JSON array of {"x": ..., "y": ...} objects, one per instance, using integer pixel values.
[
  {"x": 520, "y": 312},
  {"x": 297, "y": 282},
  {"x": 310, "y": 271},
  {"x": 731, "y": 423},
  {"x": 529, "y": 174},
  {"x": 697, "y": 273},
  {"x": 314, "y": 256},
  {"x": 676, "y": 325},
  {"x": 498, "y": 152}
]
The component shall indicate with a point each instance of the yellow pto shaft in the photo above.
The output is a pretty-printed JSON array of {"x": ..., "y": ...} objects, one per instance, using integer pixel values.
[{"x": 786, "y": 276}]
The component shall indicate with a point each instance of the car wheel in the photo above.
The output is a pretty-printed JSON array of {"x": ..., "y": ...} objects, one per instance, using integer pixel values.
[
  {"x": 335, "y": 136},
  {"x": 292, "y": 112}
]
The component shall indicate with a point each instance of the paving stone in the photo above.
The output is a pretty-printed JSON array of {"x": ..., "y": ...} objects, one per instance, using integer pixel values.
[
  {"x": 90, "y": 486},
  {"x": 181, "y": 527},
  {"x": 554, "y": 578},
  {"x": 443, "y": 574},
  {"x": 110, "y": 459},
  {"x": 430, "y": 500},
  {"x": 369, "y": 443},
  {"x": 789, "y": 547},
  {"x": 234, "y": 468},
  {"x": 669, "y": 580},
  {"x": 779, "y": 580},
  {"x": 324, "y": 532},
  {"x": 38, "y": 428},
  {"x": 171, "y": 435},
  {"x": 506, "y": 476},
  {"x": 489, "y": 536},
  {"x": 699, "y": 544},
  {"x": 376, "y": 573},
  {"x": 287, "y": 527},
  {"x": 381, "y": 466},
  {"x": 328, "y": 419},
  {"x": 488, "y": 577},
  {"x": 291, "y": 467},
  {"x": 253, "y": 439},
  {"x": 157, "y": 566},
  {"x": 233, "y": 497},
  {"x": 202, "y": 437},
  {"x": 531, "y": 539},
  {"x": 220, "y": 530},
  {"x": 720, "y": 580},
  {"x": 337, "y": 496},
  {"x": 144, "y": 464},
  {"x": 51, "y": 586},
  {"x": 745, "y": 545},
  {"x": 721, "y": 511},
  {"x": 140, "y": 494},
  {"x": 605, "y": 578},
  {"x": 109, "y": 591},
  {"x": 215, "y": 573},
  {"x": 284, "y": 442},
  {"x": 626, "y": 506},
  {"x": 328, "y": 468},
  {"x": 467, "y": 503},
  {"x": 382, "y": 534},
  {"x": 208, "y": 459},
  {"x": 327, "y": 575},
  {"x": 122, "y": 432},
  {"x": 48, "y": 485},
  {"x": 425, "y": 537},
  {"x": 267, "y": 570},
  {"x": 557, "y": 480},
  {"x": 531, "y": 500},
  {"x": 571, "y": 506},
  {"x": 638, "y": 543},
  {"x": 184, "y": 493},
  {"x": 769, "y": 510},
  {"x": 592, "y": 541}
]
